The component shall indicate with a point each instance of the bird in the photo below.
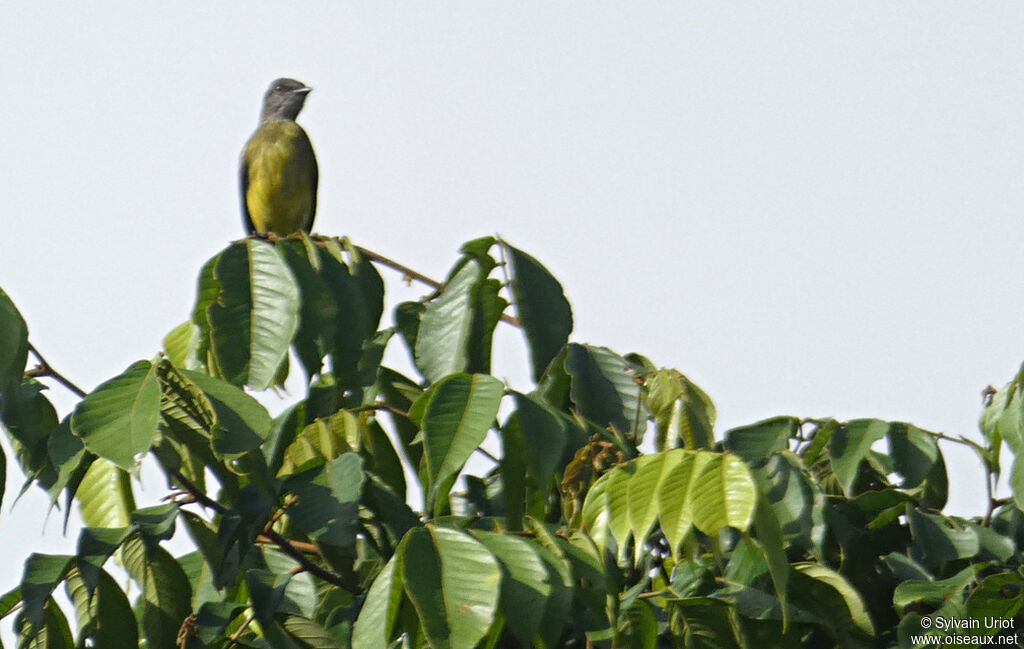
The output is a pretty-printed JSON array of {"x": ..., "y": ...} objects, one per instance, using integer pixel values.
[{"x": 278, "y": 170}]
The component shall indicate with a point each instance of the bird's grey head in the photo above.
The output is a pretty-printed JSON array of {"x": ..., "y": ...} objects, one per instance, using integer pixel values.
[{"x": 284, "y": 99}]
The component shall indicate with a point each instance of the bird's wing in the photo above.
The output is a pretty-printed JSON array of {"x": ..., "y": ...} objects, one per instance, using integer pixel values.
[
  {"x": 243, "y": 177},
  {"x": 314, "y": 178}
]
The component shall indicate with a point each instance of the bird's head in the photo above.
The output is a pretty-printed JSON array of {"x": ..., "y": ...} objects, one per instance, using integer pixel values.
[{"x": 284, "y": 99}]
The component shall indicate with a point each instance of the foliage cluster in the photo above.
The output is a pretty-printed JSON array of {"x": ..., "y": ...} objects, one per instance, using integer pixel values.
[{"x": 789, "y": 532}]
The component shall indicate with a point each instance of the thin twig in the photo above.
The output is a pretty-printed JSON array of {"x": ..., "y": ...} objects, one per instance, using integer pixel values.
[
  {"x": 45, "y": 369},
  {"x": 408, "y": 272},
  {"x": 289, "y": 547},
  {"x": 411, "y": 274},
  {"x": 381, "y": 406}
]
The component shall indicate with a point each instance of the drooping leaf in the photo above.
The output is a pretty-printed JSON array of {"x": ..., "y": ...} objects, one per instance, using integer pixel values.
[
  {"x": 850, "y": 445},
  {"x": 683, "y": 412},
  {"x": 603, "y": 388},
  {"x": 545, "y": 434},
  {"x": 724, "y": 495},
  {"x": 251, "y": 308},
  {"x": 242, "y": 421},
  {"x": 457, "y": 414},
  {"x": 937, "y": 538},
  {"x": 95, "y": 546},
  {"x": 544, "y": 312},
  {"x": 373, "y": 627},
  {"x": 525, "y": 584},
  {"x": 756, "y": 442},
  {"x": 104, "y": 614},
  {"x": 13, "y": 342},
  {"x": 166, "y": 592},
  {"x": 42, "y": 574},
  {"x": 118, "y": 420},
  {"x": 442, "y": 342},
  {"x": 454, "y": 583},
  {"x": 675, "y": 499},
  {"x": 105, "y": 495},
  {"x": 327, "y": 508}
]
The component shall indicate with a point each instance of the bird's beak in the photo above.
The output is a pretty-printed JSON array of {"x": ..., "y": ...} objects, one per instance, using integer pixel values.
[{"x": 303, "y": 90}]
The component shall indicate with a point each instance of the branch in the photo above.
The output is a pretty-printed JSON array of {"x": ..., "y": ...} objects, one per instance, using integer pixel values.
[
  {"x": 294, "y": 549},
  {"x": 45, "y": 369},
  {"x": 411, "y": 274}
]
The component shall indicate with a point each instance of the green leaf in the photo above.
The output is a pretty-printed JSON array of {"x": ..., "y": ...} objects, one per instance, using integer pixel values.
[
  {"x": 544, "y": 312},
  {"x": 604, "y": 389},
  {"x": 917, "y": 458},
  {"x": 850, "y": 618},
  {"x": 105, "y": 495},
  {"x": 525, "y": 583},
  {"x": 42, "y": 574},
  {"x": 796, "y": 500},
  {"x": 454, "y": 583},
  {"x": 850, "y": 445},
  {"x": 118, "y": 420},
  {"x": 756, "y": 442},
  {"x": 53, "y": 634},
  {"x": 638, "y": 628},
  {"x": 683, "y": 412},
  {"x": 29, "y": 418},
  {"x": 545, "y": 434},
  {"x": 488, "y": 306},
  {"x": 242, "y": 421},
  {"x": 181, "y": 345},
  {"x": 442, "y": 343},
  {"x": 458, "y": 413},
  {"x": 770, "y": 542},
  {"x": 675, "y": 499},
  {"x": 376, "y": 621},
  {"x": 310, "y": 633},
  {"x": 328, "y": 500},
  {"x": 156, "y": 523},
  {"x": 254, "y": 315},
  {"x": 724, "y": 495},
  {"x": 95, "y": 546},
  {"x": 997, "y": 597},
  {"x": 934, "y": 593},
  {"x": 644, "y": 487},
  {"x": 104, "y": 614},
  {"x": 325, "y": 439},
  {"x": 166, "y": 592},
  {"x": 938, "y": 539},
  {"x": 13, "y": 342}
]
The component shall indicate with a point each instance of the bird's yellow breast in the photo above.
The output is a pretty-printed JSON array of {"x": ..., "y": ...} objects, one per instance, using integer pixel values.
[{"x": 281, "y": 168}]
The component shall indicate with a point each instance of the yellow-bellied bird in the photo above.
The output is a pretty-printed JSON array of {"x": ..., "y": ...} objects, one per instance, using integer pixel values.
[{"x": 278, "y": 170}]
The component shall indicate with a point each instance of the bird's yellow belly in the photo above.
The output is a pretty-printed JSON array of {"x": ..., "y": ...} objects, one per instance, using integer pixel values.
[{"x": 280, "y": 195}]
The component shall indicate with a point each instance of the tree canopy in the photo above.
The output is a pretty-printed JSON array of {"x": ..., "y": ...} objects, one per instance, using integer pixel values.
[{"x": 788, "y": 532}]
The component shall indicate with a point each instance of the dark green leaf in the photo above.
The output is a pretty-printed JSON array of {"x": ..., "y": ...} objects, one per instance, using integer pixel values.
[
  {"x": 756, "y": 442},
  {"x": 13, "y": 343},
  {"x": 166, "y": 591},
  {"x": 42, "y": 574},
  {"x": 104, "y": 614},
  {"x": 118, "y": 420},
  {"x": 444, "y": 336},
  {"x": 603, "y": 388},
  {"x": 95, "y": 546},
  {"x": 254, "y": 315},
  {"x": 458, "y": 413},
  {"x": 454, "y": 583},
  {"x": 242, "y": 422},
  {"x": 544, "y": 312},
  {"x": 850, "y": 445},
  {"x": 328, "y": 500}
]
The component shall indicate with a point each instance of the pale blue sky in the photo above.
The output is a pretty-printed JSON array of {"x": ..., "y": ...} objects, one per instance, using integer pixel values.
[{"x": 809, "y": 208}]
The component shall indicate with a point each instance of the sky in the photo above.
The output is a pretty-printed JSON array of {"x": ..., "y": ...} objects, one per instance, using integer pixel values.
[{"x": 810, "y": 209}]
